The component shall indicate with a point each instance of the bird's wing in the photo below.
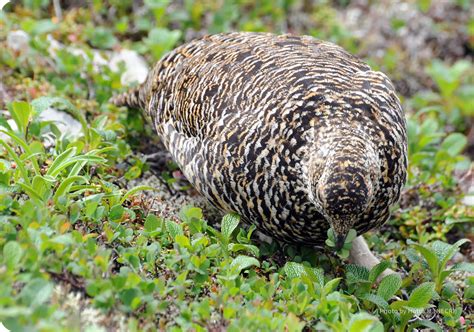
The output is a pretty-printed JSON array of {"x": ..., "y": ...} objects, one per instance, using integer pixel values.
[{"x": 196, "y": 158}]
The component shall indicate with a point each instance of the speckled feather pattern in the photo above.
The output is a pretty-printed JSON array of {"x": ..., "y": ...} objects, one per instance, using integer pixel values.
[{"x": 288, "y": 131}]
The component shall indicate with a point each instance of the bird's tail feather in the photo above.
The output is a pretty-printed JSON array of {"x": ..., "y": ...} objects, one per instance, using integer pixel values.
[{"x": 134, "y": 98}]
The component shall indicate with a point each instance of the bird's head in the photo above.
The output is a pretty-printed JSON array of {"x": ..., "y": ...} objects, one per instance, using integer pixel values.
[
  {"x": 343, "y": 182},
  {"x": 344, "y": 194}
]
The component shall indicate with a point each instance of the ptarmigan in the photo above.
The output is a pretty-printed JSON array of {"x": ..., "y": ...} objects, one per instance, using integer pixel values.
[{"x": 294, "y": 134}]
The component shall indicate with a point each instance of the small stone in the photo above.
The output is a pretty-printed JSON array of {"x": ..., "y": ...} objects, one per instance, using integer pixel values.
[
  {"x": 5, "y": 137},
  {"x": 468, "y": 200},
  {"x": 458, "y": 258},
  {"x": 136, "y": 68},
  {"x": 18, "y": 40},
  {"x": 54, "y": 45},
  {"x": 65, "y": 122},
  {"x": 2, "y": 4},
  {"x": 3, "y": 328},
  {"x": 97, "y": 59}
]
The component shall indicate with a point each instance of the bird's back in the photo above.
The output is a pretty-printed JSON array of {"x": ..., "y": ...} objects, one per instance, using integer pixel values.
[
  {"x": 242, "y": 112},
  {"x": 246, "y": 72}
]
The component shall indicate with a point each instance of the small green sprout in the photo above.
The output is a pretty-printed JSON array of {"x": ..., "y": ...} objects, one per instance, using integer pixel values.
[{"x": 344, "y": 251}]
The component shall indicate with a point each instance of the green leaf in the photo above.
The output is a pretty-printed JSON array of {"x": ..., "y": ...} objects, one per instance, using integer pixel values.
[
  {"x": 454, "y": 143},
  {"x": 424, "y": 5},
  {"x": 331, "y": 285},
  {"x": 458, "y": 220},
  {"x": 190, "y": 213},
  {"x": 36, "y": 292},
  {"x": 101, "y": 37},
  {"x": 20, "y": 112},
  {"x": 297, "y": 270},
  {"x": 183, "y": 241},
  {"x": 330, "y": 243},
  {"x": 429, "y": 129},
  {"x": 42, "y": 187},
  {"x": 55, "y": 167},
  {"x": 235, "y": 247},
  {"x": 128, "y": 296},
  {"x": 68, "y": 161},
  {"x": 173, "y": 228},
  {"x": 343, "y": 253},
  {"x": 357, "y": 272},
  {"x": 30, "y": 191},
  {"x": 20, "y": 164},
  {"x": 413, "y": 311},
  {"x": 38, "y": 27},
  {"x": 375, "y": 299},
  {"x": 377, "y": 270},
  {"x": 65, "y": 239},
  {"x": 362, "y": 322},
  {"x": 43, "y": 103},
  {"x": 389, "y": 286},
  {"x": 421, "y": 296},
  {"x": 351, "y": 235},
  {"x": 152, "y": 223},
  {"x": 161, "y": 40},
  {"x": 79, "y": 165},
  {"x": 429, "y": 256},
  {"x": 65, "y": 185},
  {"x": 12, "y": 253},
  {"x": 134, "y": 191},
  {"x": 229, "y": 223},
  {"x": 448, "y": 251},
  {"x": 242, "y": 262},
  {"x": 331, "y": 240},
  {"x": 116, "y": 213},
  {"x": 157, "y": 4},
  {"x": 447, "y": 78},
  {"x": 29, "y": 154},
  {"x": 399, "y": 304},
  {"x": 294, "y": 270},
  {"x": 464, "y": 266},
  {"x": 426, "y": 323}
]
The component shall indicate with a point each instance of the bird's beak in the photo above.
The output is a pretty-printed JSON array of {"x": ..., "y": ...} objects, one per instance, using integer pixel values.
[{"x": 340, "y": 240}]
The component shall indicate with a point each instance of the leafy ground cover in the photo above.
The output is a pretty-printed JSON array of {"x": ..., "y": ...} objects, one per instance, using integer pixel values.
[{"x": 88, "y": 242}]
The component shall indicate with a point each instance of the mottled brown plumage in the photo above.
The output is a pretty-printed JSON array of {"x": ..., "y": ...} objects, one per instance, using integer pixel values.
[{"x": 293, "y": 133}]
